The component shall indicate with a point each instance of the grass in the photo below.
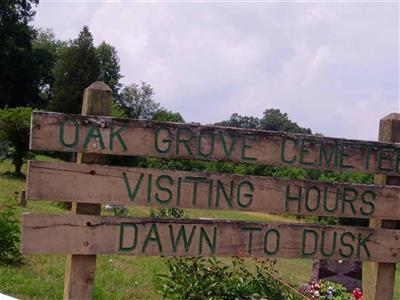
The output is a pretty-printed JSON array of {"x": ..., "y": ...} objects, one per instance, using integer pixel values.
[{"x": 117, "y": 277}]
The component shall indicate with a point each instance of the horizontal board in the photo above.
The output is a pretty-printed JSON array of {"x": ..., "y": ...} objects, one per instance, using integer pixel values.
[
  {"x": 165, "y": 188},
  {"x": 94, "y": 134},
  {"x": 84, "y": 234}
]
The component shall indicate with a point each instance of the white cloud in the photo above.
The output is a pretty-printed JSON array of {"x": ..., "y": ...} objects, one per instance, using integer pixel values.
[
  {"x": 332, "y": 67},
  {"x": 317, "y": 16},
  {"x": 303, "y": 67}
]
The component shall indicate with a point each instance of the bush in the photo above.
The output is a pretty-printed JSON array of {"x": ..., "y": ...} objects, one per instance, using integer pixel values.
[
  {"x": 200, "y": 278},
  {"x": 14, "y": 130},
  {"x": 339, "y": 291},
  {"x": 9, "y": 237},
  {"x": 164, "y": 213},
  {"x": 329, "y": 291}
]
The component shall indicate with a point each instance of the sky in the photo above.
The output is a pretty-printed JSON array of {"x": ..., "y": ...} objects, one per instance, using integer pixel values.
[{"x": 331, "y": 66}]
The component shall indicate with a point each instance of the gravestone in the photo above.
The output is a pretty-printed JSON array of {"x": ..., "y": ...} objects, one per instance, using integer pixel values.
[{"x": 346, "y": 272}]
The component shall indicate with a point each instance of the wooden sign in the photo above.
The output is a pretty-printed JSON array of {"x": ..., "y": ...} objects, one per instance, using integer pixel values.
[
  {"x": 165, "y": 188},
  {"x": 85, "y": 234},
  {"x": 80, "y": 234},
  {"x": 105, "y": 135}
]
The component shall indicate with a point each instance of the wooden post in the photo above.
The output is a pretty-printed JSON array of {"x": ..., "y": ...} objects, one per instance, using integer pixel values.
[
  {"x": 79, "y": 277},
  {"x": 22, "y": 198},
  {"x": 378, "y": 278}
]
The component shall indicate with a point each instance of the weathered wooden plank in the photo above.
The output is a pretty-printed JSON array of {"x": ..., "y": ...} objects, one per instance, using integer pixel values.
[
  {"x": 85, "y": 234},
  {"x": 80, "y": 273},
  {"x": 379, "y": 278},
  {"x": 62, "y": 132},
  {"x": 166, "y": 188}
]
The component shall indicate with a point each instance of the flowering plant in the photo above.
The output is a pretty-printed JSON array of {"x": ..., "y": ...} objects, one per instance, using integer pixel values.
[{"x": 326, "y": 290}]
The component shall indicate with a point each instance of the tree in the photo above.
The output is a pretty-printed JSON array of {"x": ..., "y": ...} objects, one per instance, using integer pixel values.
[
  {"x": 137, "y": 101},
  {"x": 77, "y": 68},
  {"x": 274, "y": 120},
  {"x": 14, "y": 130},
  {"x": 47, "y": 50},
  {"x": 110, "y": 70},
  {"x": 168, "y": 116},
  {"x": 17, "y": 71},
  {"x": 239, "y": 121}
]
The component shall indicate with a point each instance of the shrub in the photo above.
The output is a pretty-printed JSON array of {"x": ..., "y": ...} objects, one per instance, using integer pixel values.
[
  {"x": 164, "y": 213},
  {"x": 9, "y": 237},
  {"x": 329, "y": 291},
  {"x": 200, "y": 278}
]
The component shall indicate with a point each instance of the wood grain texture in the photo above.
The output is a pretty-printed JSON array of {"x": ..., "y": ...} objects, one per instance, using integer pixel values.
[
  {"x": 105, "y": 135},
  {"x": 85, "y": 234},
  {"x": 80, "y": 273},
  {"x": 166, "y": 188},
  {"x": 379, "y": 278}
]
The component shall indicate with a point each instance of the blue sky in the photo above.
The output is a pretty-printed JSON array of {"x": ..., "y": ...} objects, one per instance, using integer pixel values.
[{"x": 332, "y": 66}]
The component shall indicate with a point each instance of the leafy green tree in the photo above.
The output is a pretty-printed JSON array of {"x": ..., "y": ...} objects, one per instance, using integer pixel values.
[
  {"x": 239, "y": 121},
  {"x": 77, "y": 68},
  {"x": 137, "y": 101},
  {"x": 274, "y": 120},
  {"x": 14, "y": 130},
  {"x": 168, "y": 116},
  {"x": 47, "y": 50},
  {"x": 17, "y": 71},
  {"x": 110, "y": 70},
  {"x": 118, "y": 111}
]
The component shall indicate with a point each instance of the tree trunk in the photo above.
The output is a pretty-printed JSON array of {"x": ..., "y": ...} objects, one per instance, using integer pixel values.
[{"x": 18, "y": 162}]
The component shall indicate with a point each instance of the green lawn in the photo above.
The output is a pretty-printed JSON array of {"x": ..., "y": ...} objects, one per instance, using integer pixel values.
[{"x": 117, "y": 277}]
